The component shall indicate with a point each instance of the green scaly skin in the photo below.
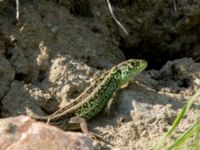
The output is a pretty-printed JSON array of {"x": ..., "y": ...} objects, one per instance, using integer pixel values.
[{"x": 96, "y": 97}]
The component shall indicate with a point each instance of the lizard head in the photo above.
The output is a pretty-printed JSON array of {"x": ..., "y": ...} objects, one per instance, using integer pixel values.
[{"x": 126, "y": 70}]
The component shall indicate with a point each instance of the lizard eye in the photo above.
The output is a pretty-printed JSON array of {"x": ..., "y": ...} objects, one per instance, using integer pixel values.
[{"x": 133, "y": 64}]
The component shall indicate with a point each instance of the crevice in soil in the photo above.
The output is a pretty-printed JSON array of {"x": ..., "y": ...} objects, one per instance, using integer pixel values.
[
  {"x": 81, "y": 8},
  {"x": 155, "y": 57}
]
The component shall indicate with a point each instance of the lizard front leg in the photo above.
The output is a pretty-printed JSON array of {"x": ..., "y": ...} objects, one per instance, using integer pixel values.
[{"x": 108, "y": 109}]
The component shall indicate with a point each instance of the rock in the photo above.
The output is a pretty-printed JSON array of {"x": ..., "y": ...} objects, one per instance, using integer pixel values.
[
  {"x": 7, "y": 74},
  {"x": 23, "y": 133},
  {"x": 68, "y": 77},
  {"x": 2, "y": 45},
  {"x": 18, "y": 101}
]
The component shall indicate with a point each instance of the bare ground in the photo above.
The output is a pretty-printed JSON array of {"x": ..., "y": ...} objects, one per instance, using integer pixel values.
[{"x": 50, "y": 56}]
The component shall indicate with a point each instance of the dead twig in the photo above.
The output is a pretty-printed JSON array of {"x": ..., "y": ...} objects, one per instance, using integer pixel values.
[
  {"x": 175, "y": 7},
  {"x": 17, "y": 10},
  {"x": 112, "y": 14}
]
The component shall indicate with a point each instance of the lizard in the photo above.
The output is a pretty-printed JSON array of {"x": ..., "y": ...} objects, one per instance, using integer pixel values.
[{"x": 95, "y": 97}]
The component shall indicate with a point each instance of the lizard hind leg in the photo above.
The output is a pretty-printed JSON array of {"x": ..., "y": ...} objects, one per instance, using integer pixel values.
[
  {"x": 48, "y": 120},
  {"x": 84, "y": 127}
]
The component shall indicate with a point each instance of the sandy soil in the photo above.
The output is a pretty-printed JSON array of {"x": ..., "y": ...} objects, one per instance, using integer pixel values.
[{"x": 53, "y": 52}]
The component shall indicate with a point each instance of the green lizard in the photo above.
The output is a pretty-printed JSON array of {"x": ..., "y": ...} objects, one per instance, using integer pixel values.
[{"x": 95, "y": 97}]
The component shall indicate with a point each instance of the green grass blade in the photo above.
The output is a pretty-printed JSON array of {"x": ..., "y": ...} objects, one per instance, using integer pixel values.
[
  {"x": 183, "y": 111},
  {"x": 184, "y": 137}
]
